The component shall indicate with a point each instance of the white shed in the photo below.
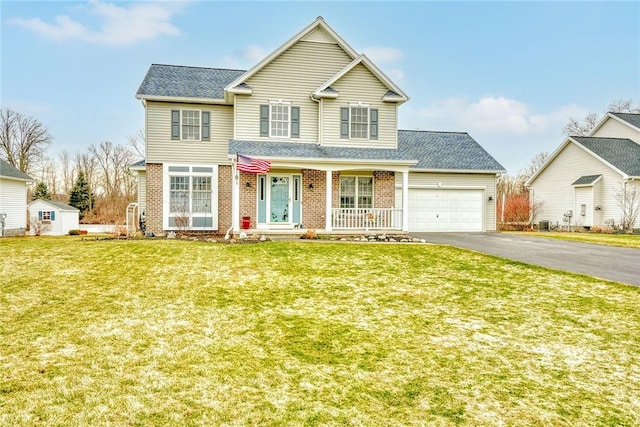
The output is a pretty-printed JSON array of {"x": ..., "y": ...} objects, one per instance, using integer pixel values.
[
  {"x": 13, "y": 200},
  {"x": 58, "y": 217}
]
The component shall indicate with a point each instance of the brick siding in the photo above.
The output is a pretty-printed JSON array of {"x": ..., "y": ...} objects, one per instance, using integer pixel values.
[{"x": 154, "y": 198}]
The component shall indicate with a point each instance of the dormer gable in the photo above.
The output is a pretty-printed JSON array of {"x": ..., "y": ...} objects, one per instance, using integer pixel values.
[
  {"x": 393, "y": 93},
  {"x": 618, "y": 125},
  {"x": 318, "y": 31}
]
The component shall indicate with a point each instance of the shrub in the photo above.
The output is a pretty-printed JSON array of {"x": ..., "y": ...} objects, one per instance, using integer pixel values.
[{"x": 309, "y": 235}]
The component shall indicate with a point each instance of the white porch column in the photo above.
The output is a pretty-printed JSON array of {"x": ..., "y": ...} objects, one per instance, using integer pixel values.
[
  {"x": 235, "y": 198},
  {"x": 405, "y": 201},
  {"x": 327, "y": 222}
]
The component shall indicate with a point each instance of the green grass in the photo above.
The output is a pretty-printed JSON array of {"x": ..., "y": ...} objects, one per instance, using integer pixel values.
[
  {"x": 624, "y": 240},
  {"x": 307, "y": 333}
]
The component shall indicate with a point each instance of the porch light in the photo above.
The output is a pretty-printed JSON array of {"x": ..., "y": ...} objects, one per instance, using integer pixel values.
[
  {"x": 248, "y": 184},
  {"x": 490, "y": 198},
  {"x": 310, "y": 186}
]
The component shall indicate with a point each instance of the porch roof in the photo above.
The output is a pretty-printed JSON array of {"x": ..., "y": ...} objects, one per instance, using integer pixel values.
[{"x": 300, "y": 150}]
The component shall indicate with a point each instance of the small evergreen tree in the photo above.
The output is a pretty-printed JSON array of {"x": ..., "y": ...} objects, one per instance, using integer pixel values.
[
  {"x": 81, "y": 196},
  {"x": 41, "y": 192}
]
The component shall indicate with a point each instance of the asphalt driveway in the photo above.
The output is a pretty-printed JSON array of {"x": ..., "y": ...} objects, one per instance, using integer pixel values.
[{"x": 605, "y": 262}]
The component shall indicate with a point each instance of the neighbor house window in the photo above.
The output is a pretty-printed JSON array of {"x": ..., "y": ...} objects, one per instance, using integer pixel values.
[
  {"x": 46, "y": 215},
  {"x": 356, "y": 192}
]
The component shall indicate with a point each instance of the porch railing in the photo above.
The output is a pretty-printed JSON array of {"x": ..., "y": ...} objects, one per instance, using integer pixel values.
[{"x": 368, "y": 219}]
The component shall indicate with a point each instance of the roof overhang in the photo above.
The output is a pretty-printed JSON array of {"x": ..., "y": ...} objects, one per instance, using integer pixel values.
[
  {"x": 589, "y": 184},
  {"x": 182, "y": 99},
  {"x": 322, "y": 163},
  {"x": 608, "y": 116},
  {"x": 459, "y": 171}
]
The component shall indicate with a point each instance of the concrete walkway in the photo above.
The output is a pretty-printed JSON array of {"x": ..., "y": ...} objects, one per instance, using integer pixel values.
[{"x": 601, "y": 261}]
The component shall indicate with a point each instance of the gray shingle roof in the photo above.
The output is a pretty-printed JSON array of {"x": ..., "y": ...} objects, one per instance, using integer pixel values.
[
  {"x": 139, "y": 163},
  {"x": 186, "y": 82},
  {"x": 633, "y": 119},
  {"x": 446, "y": 150},
  {"x": 311, "y": 151},
  {"x": 8, "y": 171},
  {"x": 622, "y": 153},
  {"x": 432, "y": 150},
  {"x": 586, "y": 180},
  {"x": 59, "y": 205}
]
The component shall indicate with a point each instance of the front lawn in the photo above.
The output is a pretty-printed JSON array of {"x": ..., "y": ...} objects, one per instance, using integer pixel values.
[
  {"x": 624, "y": 240},
  {"x": 168, "y": 332}
]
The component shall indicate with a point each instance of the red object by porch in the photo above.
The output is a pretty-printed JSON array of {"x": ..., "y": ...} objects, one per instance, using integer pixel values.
[{"x": 246, "y": 222}]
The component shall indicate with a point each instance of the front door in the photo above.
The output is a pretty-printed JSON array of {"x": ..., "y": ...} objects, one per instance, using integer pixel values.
[{"x": 279, "y": 199}]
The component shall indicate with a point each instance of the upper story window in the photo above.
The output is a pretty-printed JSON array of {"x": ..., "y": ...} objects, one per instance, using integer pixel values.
[
  {"x": 279, "y": 123},
  {"x": 280, "y": 120},
  {"x": 358, "y": 122},
  {"x": 190, "y": 125}
]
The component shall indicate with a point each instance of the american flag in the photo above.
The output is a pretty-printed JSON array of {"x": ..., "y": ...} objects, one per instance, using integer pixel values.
[{"x": 251, "y": 165}]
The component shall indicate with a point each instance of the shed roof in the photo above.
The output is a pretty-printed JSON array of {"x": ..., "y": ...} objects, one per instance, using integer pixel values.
[{"x": 56, "y": 204}]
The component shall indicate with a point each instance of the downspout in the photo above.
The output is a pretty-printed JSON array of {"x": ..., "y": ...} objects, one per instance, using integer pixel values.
[{"x": 320, "y": 105}]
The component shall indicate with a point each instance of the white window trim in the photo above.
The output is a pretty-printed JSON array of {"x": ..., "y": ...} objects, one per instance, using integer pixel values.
[
  {"x": 368, "y": 126},
  {"x": 182, "y": 138},
  {"x": 280, "y": 103},
  {"x": 46, "y": 214},
  {"x": 355, "y": 200},
  {"x": 166, "y": 208}
]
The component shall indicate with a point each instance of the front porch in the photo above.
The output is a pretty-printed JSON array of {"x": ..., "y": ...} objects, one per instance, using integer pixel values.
[{"x": 286, "y": 200}]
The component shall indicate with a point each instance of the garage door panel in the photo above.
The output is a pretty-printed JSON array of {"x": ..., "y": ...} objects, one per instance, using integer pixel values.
[{"x": 445, "y": 210}]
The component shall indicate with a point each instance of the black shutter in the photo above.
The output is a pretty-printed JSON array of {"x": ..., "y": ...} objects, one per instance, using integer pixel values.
[
  {"x": 206, "y": 126},
  {"x": 373, "y": 123},
  {"x": 264, "y": 120},
  {"x": 344, "y": 122},
  {"x": 295, "y": 122},
  {"x": 175, "y": 124}
]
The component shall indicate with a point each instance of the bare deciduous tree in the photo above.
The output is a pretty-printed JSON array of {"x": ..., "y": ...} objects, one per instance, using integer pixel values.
[
  {"x": 23, "y": 140},
  {"x": 628, "y": 199},
  {"x": 583, "y": 127},
  {"x": 137, "y": 142}
]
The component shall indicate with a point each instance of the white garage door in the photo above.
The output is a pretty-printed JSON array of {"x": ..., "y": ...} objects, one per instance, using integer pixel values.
[{"x": 445, "y": 210}]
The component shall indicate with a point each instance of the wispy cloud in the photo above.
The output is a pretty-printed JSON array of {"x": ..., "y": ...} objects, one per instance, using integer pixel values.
[
  {"x": 383, "y": 54},
  {"x": 245, "y": 58},
  {"x": 120, "y": 25},
  {"x": 508, "y": 128}
]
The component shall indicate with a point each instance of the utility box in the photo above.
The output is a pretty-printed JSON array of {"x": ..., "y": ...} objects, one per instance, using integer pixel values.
[
  {"x": 246, "y": 222},
  {"x": 543, "y": 225}
]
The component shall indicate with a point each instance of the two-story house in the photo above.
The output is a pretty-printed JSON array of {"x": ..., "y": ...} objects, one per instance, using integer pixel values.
[{"x": 307, "y": 138}]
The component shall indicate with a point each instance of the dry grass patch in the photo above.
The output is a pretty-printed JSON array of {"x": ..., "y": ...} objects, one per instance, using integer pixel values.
[
  {"x": 624, "y": 240},
  {"x": 190, "y": 333}
]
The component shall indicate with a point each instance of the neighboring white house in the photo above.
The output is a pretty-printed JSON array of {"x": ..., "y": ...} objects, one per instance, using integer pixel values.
[
  {"x": 582, "y": 180},
  {"x": 13, "y": 200},
  {"x": 57, "y": 217}
]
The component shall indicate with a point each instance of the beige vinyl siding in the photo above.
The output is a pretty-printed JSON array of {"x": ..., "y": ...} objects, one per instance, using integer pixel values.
[
  {"x": 161, "y": 148},
  {"x": 290, "y": 77},
  {"x": 318, "y": 35},
  {"x": 553, "y": 189},
  {"x": 142, "y": 191},
  {"x": 13, "y": 202},
  {"x": 453, "y": 181},
  {"x": 359, "y": 85},
  {"x": 612, "y": 128}
]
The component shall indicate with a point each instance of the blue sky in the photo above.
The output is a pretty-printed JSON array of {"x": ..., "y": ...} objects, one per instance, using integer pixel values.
[{"x": 509, "y": 73}]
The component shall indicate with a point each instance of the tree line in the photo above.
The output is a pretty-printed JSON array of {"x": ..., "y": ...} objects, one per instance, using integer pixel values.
[{"x": 96, "y": 181}]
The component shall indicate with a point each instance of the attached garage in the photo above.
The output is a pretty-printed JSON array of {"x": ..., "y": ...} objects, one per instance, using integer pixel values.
[{"x": 442, "y": 210}]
